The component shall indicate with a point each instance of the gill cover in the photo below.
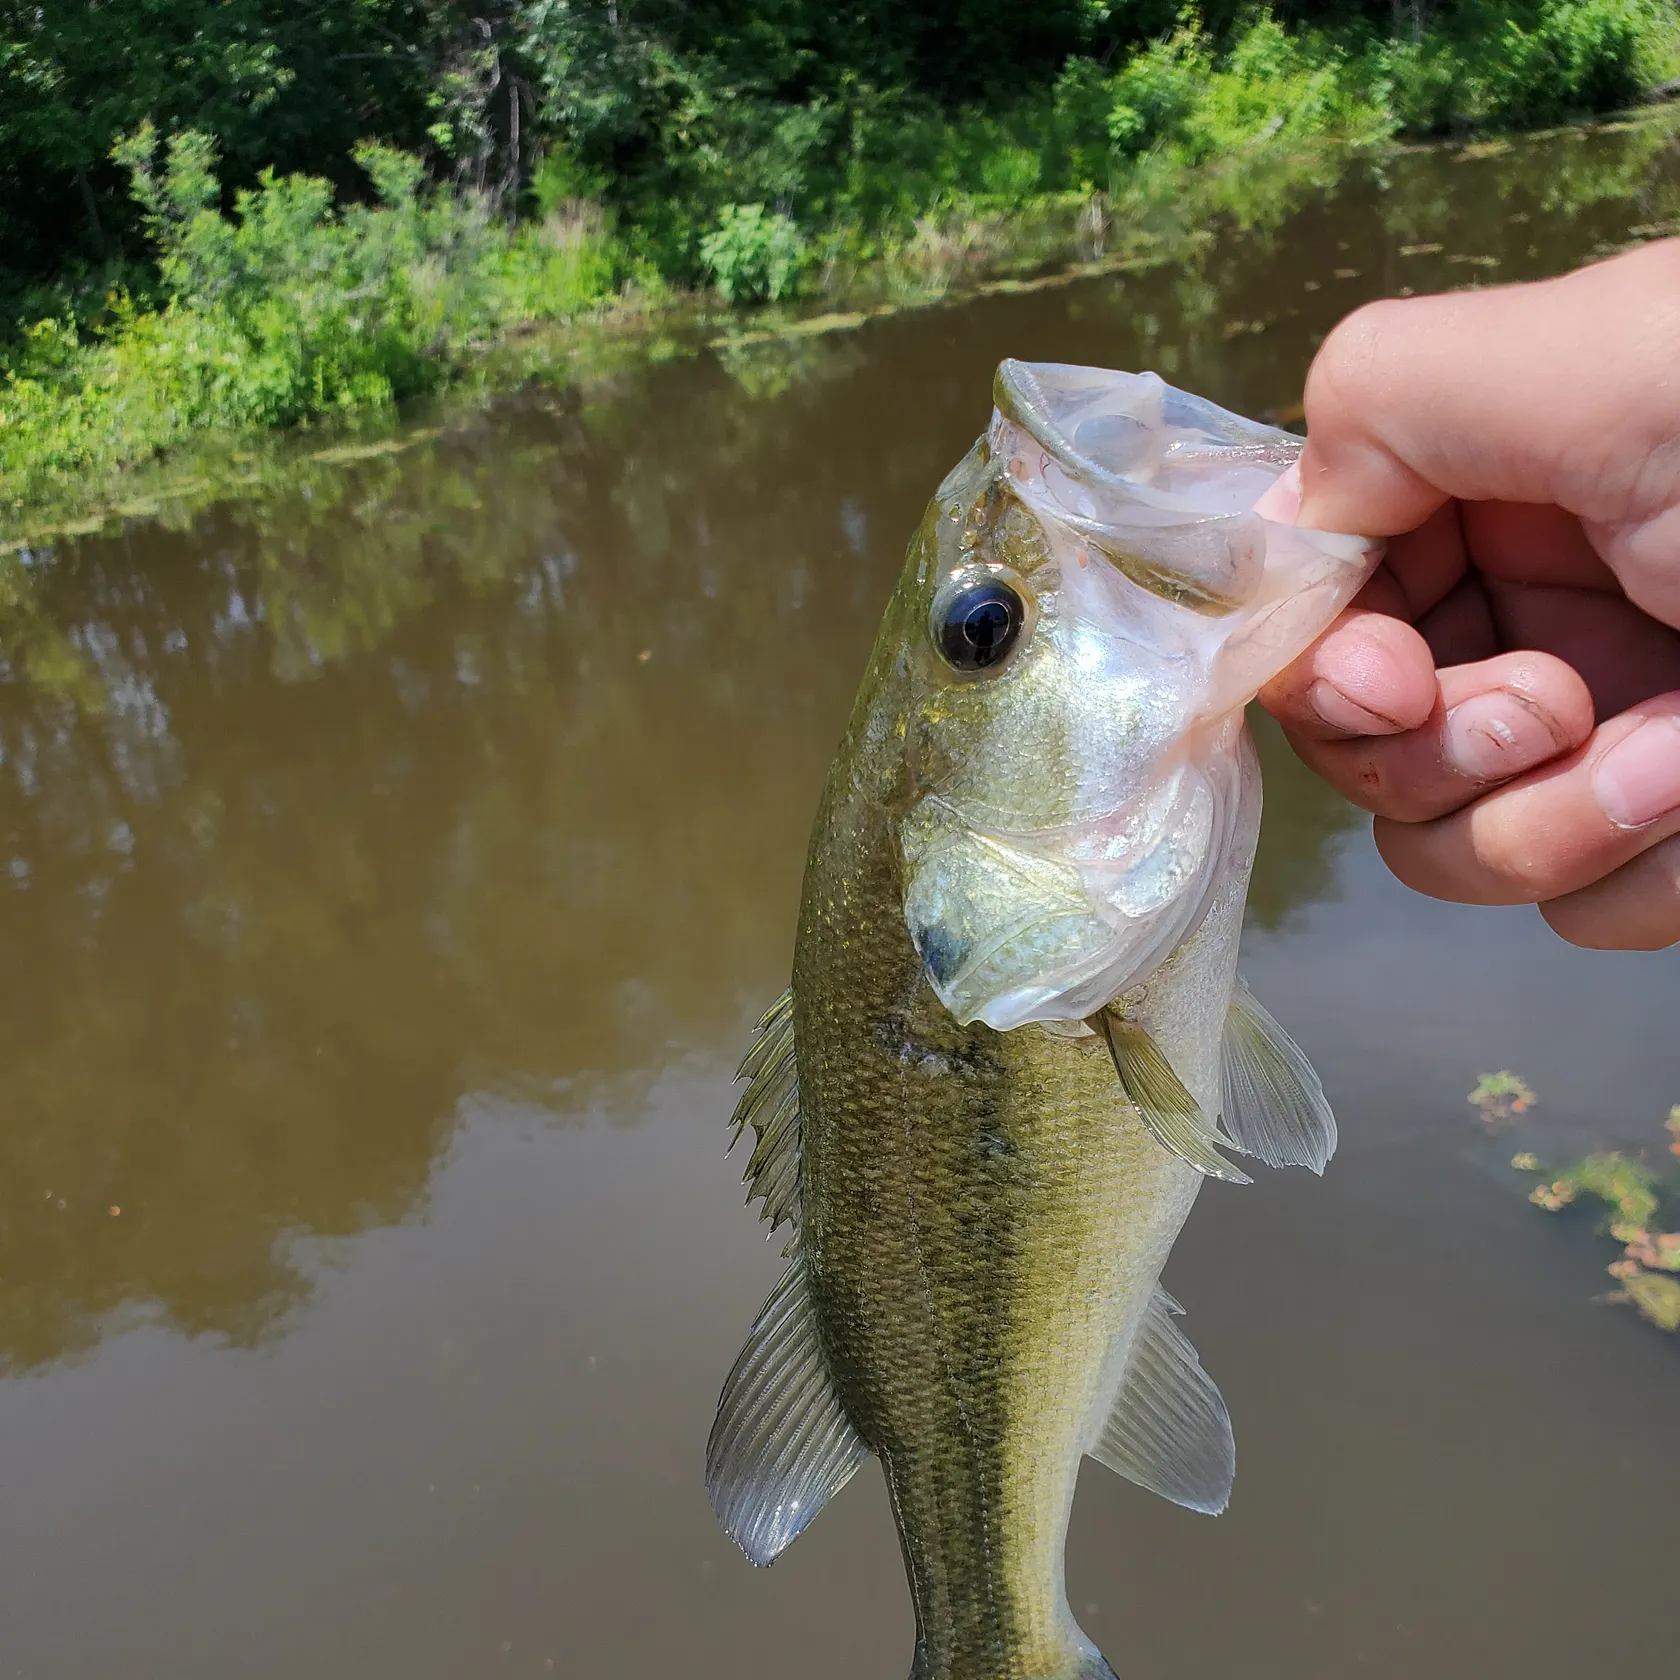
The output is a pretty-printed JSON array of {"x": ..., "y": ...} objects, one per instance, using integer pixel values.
[{"x": 1098, "y": 604}]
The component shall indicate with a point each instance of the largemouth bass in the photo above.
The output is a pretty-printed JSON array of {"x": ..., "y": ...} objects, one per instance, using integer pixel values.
[{"x": 1015, "y": 1042}]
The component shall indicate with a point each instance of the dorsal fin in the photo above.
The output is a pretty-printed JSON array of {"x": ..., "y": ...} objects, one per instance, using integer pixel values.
[
  {"x": 770, "y": 1105},
  {"x": 1168, "y": 1430},
  {"x": 1152, "y": 1087},
  {"x": 1275, "y": 1108},
  {"x": 781, "y": 1446}
]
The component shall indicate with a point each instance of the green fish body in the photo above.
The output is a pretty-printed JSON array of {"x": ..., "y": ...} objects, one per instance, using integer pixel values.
[{"x": 990, "y": 1097}]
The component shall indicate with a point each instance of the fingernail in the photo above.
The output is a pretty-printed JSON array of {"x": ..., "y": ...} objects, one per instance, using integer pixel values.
[
  {"x": 1493, "y": 736},
  {"x": 1342, "y": 712},
  {"x": 1638, "y": 780},
  {"x": 1282, "y": 501}
]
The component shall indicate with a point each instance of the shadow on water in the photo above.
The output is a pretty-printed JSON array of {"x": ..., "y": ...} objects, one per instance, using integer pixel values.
[{"x": 473, "y": 778}]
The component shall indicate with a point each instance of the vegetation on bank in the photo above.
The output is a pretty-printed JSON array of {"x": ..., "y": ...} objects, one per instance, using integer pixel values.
[{"x": 198, "y": 238}]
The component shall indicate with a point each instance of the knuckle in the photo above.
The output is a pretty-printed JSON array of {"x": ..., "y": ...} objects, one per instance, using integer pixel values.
[{"x": 1469, "y": 862}]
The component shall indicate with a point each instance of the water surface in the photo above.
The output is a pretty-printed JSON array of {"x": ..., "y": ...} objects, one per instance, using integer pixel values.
[{"x": 390, "y": 871}]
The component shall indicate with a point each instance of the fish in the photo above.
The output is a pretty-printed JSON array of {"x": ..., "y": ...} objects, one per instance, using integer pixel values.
[{"x": 1016, "y": 1042}]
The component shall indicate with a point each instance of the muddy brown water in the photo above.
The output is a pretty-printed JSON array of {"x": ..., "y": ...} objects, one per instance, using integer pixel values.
[{"x": 390, "y": 871}]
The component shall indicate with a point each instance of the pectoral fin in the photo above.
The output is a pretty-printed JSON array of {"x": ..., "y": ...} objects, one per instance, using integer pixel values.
[
  {"x": 782, "y": 1445},
  {"x": 1169, "y": 1430},
  {"x": 1167, "y": 1109},
  {"x": 1275, "y": 1109}
]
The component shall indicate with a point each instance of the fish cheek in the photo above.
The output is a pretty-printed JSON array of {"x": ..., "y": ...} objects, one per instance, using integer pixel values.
[{"x": 1006, "y": 751}]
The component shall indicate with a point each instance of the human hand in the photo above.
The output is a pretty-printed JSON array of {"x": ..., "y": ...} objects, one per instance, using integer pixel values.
[{"x": 1520, "y": 446}]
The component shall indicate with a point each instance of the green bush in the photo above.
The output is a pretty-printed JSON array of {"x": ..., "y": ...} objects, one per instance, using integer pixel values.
[
  {"x": 1424, "y": 85},
  {"x": 1269, "y": 87},
  {"x": 753, "y": 255},
  {"x": 723, "y": 145},
  {"x": 1575, "y": 56},
  {"x": 289, "y": 309},
  {"x": 1159, "y": 87}
]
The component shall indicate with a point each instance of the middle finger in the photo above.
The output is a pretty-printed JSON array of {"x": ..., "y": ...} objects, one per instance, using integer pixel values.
[{"x": 1557, "y": 830}]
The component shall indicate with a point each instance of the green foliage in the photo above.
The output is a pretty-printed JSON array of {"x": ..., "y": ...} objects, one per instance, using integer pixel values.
[
  {"x": 1423, "y": 84},
  {"x": 1268, "y": 87},
  {"x": 1574, "y": 56},
  {"x": 1628, "y": 1188},
  {"x": 1500, "y": 1097},
  {"x": 271, "y": 262},
  {"x": 291, "y": 308},
  {"x": 1155, "y": 94},
  {"x": 752, "y": 255},
  {"x": 560, "y": 180}
]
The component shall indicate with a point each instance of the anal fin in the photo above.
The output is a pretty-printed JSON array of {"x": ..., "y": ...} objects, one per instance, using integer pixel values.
[
  {"x": 781, "y": 1446},
  {"x": 1169, "y": 1111},
  {"x": 1168, "y": 1430},
  {"x": 1274, "y": 1105}
]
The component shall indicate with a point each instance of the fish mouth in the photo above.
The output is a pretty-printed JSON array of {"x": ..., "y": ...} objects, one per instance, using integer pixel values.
[
  {"x": 1138, "y": 443},
  {"x": 1136, "y": 692},
  {"x": 1160, "y": 483},
  {"x": 1052, "y": 926}
]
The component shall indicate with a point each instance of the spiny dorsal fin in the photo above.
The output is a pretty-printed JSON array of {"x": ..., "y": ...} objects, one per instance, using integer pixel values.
[
  {"x": 1166, "y": 1108},
  {"x": 781, "y": 1446},
  {"x": 770, "y": 1105},
  {"x": 1275, "y": 1109},
  {"x": 1169, "y": 1430}
]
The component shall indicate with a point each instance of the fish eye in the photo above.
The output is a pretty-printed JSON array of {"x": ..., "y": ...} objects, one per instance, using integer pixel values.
[{"x": 977, "y": 626}]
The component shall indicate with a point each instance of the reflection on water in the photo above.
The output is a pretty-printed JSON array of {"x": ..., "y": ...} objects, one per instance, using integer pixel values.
[
  {"x": 473, "y": 779},
  {"x": 474, "y": 769},
  {"x": 483, "y": 766}
]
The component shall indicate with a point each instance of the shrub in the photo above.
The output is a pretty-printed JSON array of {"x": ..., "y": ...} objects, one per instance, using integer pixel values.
[
  {"x": 291, "y": 308},
  {"x": 1576, "y": 56},
  {"x": 1011, "y": 172},
  {"x": 1423, "y": 84},
  {"x": 1159, "y": 87},
  {"x": 753, "y": 255}
]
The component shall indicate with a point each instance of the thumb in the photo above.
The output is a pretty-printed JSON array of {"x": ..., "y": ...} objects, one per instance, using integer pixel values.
[{"x": 1545, "y": 393}]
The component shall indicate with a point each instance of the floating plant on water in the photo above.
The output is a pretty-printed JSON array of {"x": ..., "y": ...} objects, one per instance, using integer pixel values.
[
  {"x": 1642, "y": 1201},
  {"x": 1499, "y": 1098}
]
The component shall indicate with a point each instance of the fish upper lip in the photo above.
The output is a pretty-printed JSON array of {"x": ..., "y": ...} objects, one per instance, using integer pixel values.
[{"x": 1021, "y": 401}]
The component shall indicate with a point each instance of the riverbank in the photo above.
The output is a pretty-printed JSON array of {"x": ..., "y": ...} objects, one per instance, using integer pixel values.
[{"x": 294, "y": 308}]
